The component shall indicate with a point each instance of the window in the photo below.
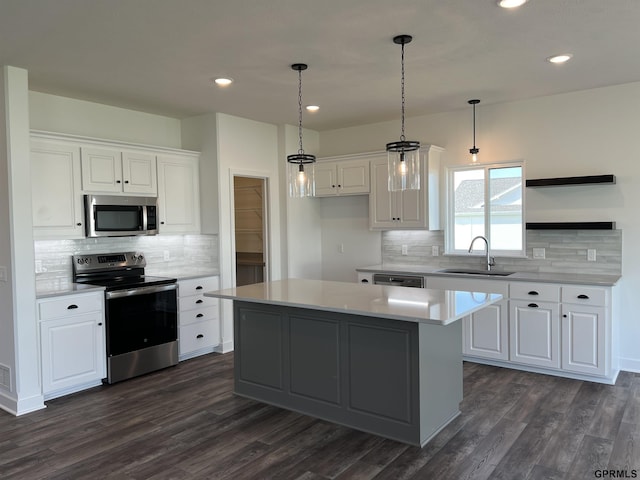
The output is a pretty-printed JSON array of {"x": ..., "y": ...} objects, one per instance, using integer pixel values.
[{"x": 470, "y": 190}]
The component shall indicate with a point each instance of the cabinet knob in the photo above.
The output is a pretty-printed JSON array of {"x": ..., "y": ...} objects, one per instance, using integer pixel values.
[
  {"x": 161, "y": 223},
  {"x": 200, "y": 335},
  {"x": 564, "y": 316},
  {"x": 533, "y": 305},
  {"x": 339, "y": 186},
  {"x": 72, "y": 306},
  {"x": 583, "y": 297},
  {"x": 100, "y": 324},
  {"x": 533, "y": 292},
  {"x": 333, "y": 186},
  {"x": 118, "y": 181},
  {"x": 126, "y": 181}
]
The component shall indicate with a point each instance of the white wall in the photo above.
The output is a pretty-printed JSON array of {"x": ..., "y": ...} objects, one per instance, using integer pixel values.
[
  {"x": 19, "y": 339},
  {"x": 78, "y": 117},
  {"x": 302, "y": 250},
  {"x": 248, "y": 148},
  {"x": 580, "y": 133}
]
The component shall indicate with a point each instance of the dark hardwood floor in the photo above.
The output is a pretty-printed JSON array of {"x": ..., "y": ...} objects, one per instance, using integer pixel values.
[{"x": 184, "y": 423}]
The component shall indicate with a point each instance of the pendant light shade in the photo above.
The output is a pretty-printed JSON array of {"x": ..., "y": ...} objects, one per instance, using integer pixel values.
[
  {"x": 300, "y": 178},
  {"x": 404, "y": 155},
  {"x": 474, "y": 151}
]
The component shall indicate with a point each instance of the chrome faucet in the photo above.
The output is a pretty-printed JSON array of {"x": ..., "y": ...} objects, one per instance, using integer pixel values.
[{"x": 490, "y": 260}]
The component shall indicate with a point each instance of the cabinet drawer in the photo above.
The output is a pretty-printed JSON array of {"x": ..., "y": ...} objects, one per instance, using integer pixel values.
[
  {"x": 197, "y": 336},
  {"x": 198, "y": 315},
  {"x": 584, "y": 295},
  {"x": 541, "y": 292},
  {"x": 70, "y": 305},
  {"x": 196, "y": 286},
  {"x": 196, "y": 301}
]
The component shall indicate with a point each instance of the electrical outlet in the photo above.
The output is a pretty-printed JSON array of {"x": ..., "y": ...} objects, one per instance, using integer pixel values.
[
  {"x": 166, "y": 255},
  {"x": 405, "y": 250},
  {"x": 591, "y": 255},
  {"x": 435, "y": 251},
  {"x": 341, "y": 248},
  {"x": 3, "y": 274},
  {"x": 539, "y": 253},
  {"x": 38, "y": 266}
]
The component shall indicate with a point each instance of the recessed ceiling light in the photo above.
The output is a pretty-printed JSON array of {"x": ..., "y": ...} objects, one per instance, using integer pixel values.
[
  {"x": 560, "y": 58},
  {"x": 511, "y": 3},
  {"x": 223, "y": 82},
  {"x": 312, "y": 108}
]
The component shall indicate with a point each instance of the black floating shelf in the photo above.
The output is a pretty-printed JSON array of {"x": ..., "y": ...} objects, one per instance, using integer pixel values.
[
  {"x": 571, "y": 226},
  {"x": 564, "y": 181}
]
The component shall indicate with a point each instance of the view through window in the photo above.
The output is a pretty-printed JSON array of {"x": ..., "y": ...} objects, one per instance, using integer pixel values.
[{"x": 474, "y": 188}]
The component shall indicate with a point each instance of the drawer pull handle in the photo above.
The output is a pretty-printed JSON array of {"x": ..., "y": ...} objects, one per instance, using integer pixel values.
[
  {"x": 199, "y": 301},
  {"x": 199, "y": 287},
  {"x": 199, "y": 315},
  {"x": 583, "y": 297},
  {"x": 72, "y": 306},
  {"x": 533, "y": 305},
  {"x": 364, "y": 280},
  {"x": 200, "y": 335},
  {"x": 533, "y": 292}
]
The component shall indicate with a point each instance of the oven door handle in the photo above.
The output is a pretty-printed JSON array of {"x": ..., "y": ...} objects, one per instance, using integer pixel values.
[{"x": 140, "y": 291}]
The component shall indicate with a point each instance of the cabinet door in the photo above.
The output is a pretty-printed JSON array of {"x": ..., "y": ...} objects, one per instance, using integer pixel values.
[
  {"x": 485, "y": 333},
  {"x": 101, "y": 170},
  {"x": 178, "y": 194},
  {"x": 382, "y": 202},
  {"x": 325, "y": 179},
  {"x": 535, "y": 333},
  {"x": 73, "y": 351},
  {"x": 56, "y": 190},
  {"x": 583, "y": 339},
  {"x": 139, "y": 173},
  {"x": 353, "y": 177},
  {"x": 411, "y": 209}
]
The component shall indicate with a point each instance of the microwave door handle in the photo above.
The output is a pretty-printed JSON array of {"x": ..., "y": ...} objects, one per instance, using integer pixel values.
[{"x": 144, "y": 218}]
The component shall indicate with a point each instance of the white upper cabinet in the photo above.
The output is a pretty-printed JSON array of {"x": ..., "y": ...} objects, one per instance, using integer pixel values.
[
  {"x": 409, "y": 209},
  {"x": 178, "y": 194},
  {"x": 348, "y": 176},
  {"x": 110, "y": 170},
  {"x": 56, "y": 190}
]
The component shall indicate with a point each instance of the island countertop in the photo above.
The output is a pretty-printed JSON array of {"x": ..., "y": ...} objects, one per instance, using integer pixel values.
[{"x": 421, "y": 305}]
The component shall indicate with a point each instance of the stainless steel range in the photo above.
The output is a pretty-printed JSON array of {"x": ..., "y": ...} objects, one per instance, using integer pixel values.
[{"x": 141, "y": 312}]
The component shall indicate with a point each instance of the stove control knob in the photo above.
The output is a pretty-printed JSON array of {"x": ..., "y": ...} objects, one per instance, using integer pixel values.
[{"x": 140, "y": 257}]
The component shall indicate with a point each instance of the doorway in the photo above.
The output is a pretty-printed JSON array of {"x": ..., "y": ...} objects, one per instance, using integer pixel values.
[{"x": 250, "y": 229}]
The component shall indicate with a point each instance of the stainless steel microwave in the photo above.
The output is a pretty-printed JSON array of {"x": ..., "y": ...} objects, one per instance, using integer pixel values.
[{"x": 120, "y": 216}]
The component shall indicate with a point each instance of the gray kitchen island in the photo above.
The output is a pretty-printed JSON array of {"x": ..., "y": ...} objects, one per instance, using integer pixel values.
[{"x": 384, "y": 360}]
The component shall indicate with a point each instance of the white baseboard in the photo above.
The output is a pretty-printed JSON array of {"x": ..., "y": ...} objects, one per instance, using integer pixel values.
[
  {"x": 629, "y": 364},
  {"x": 225, "y": 347}
]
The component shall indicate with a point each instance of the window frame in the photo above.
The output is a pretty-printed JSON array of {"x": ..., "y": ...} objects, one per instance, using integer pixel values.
[{"x": 449, "y": 234}]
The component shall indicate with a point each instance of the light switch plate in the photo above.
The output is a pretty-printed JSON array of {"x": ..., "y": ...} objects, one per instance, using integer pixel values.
[
  {"x": 435, "y": 251},
  {"x": 591, "y": 255},
  {"x": 539, "y": 253}
]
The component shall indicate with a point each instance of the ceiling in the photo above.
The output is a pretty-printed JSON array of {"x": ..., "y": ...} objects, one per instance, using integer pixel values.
[{"x": 159, "y": 56}]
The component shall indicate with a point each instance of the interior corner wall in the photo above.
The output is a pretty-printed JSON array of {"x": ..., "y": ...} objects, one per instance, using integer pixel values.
[
  {"x": 200, "y": 134},
  {"x": 303, "y": 224},
  {"x": 53, "y": 113},
  {"x": 580, "y": 133}
]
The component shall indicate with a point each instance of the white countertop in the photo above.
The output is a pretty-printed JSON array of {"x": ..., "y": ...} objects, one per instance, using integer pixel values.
[
  {"x": 544, "y": 277},
  {"x": 439, "y": 307}
]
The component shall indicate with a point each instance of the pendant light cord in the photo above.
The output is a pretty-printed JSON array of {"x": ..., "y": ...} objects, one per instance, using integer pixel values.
[
  {"x": 474, "y": 126},
  {"x": 402, "y": 137},
  {"x": 300, "y": 150}
]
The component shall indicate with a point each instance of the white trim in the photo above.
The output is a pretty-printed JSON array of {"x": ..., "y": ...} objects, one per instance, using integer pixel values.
[{"x": 629, "y": 364}]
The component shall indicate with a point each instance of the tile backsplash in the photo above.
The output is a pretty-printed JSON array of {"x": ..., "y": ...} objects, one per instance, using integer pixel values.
[
  {"x": 565, "y": 251},
  {"x": 53, "y": 257}
]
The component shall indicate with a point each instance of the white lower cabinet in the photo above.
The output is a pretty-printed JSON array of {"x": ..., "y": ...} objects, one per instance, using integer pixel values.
[
  {"x": 484, "y": 333},
  {"x": 543, "y": 327},
  {"x": 534, "y": 337},
  {"x": 72, "y": 343},
  {"x": 199, "y": 317}
]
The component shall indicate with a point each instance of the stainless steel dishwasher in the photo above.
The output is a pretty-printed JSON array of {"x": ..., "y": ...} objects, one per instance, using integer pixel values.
[{"x": 413, "y": 281}]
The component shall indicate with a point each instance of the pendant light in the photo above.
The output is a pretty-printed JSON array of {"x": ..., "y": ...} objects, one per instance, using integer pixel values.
[
  {"x": 474, "y": 151},
  {"x": 300, "y": 181},
  {"x": 403, "y": 156}
]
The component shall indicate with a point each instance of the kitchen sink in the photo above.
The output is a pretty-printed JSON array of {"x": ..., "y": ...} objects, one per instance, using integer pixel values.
[{"x": 469, "y": 271}]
